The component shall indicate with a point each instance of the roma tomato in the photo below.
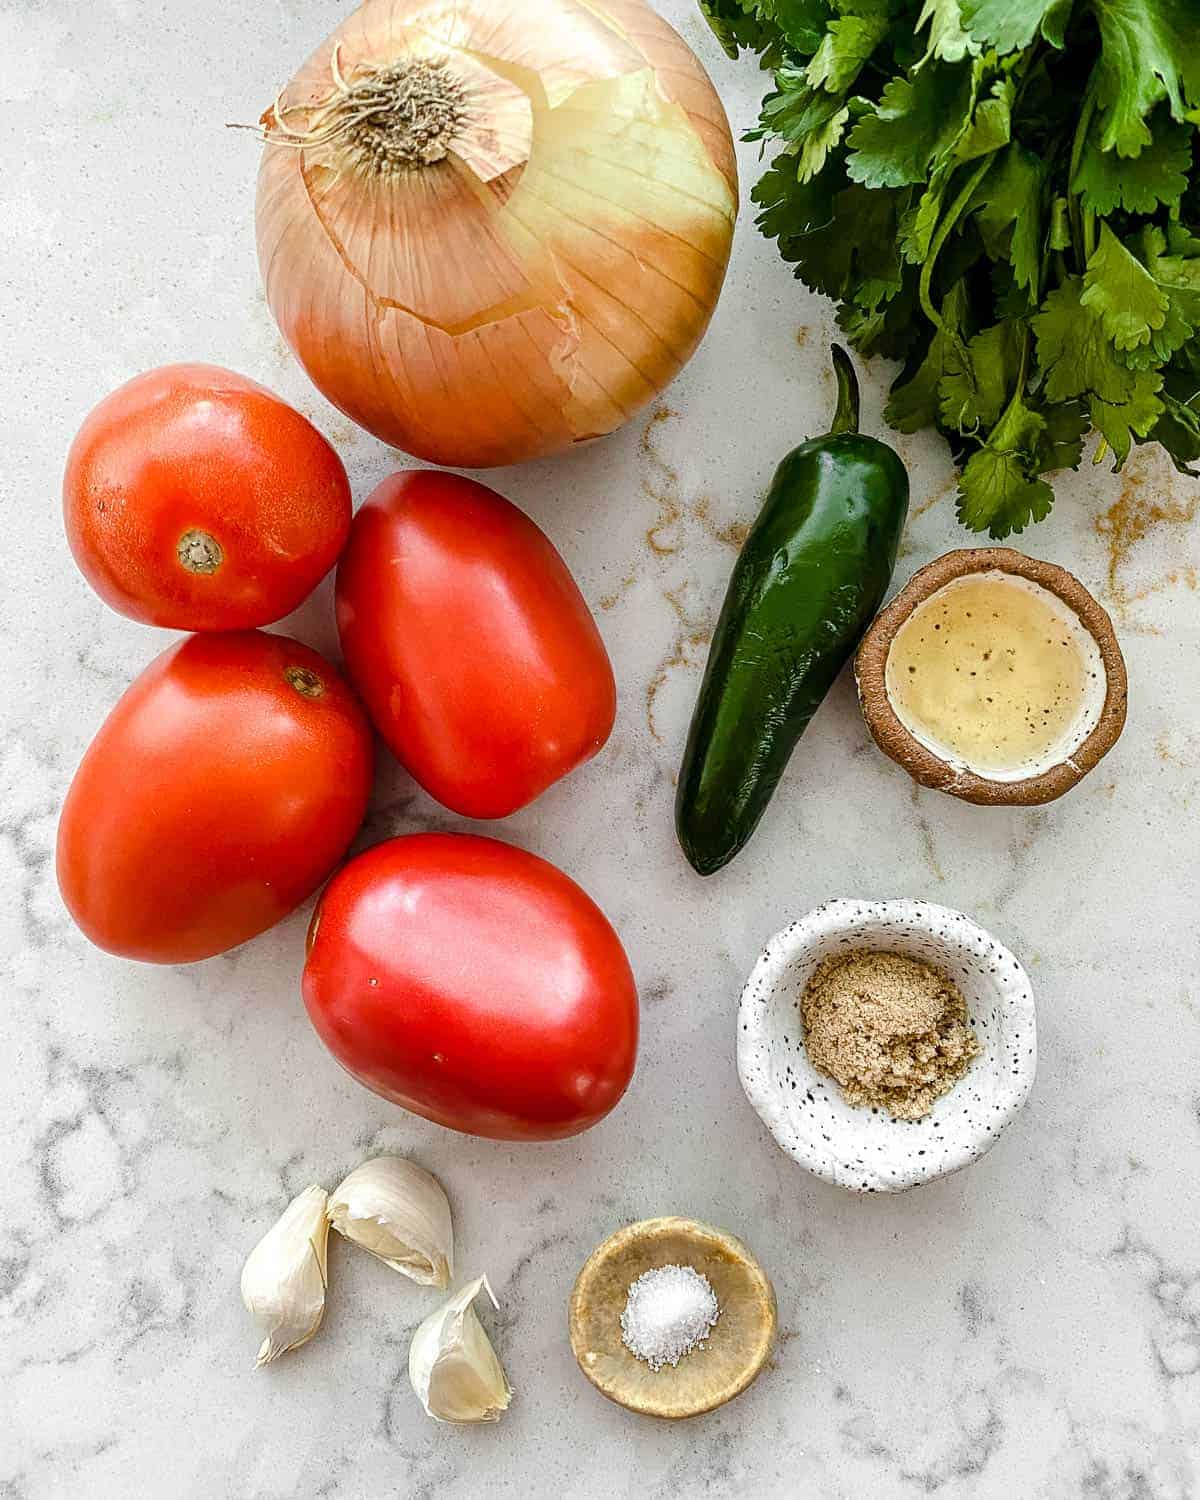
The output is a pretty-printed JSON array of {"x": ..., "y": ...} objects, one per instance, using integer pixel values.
[
  {"x": 474, "y": 984},
  {"x": 198, "y": 500},
  {"x": 218, "y": 794},
  {"x": 470, "y": 643}
]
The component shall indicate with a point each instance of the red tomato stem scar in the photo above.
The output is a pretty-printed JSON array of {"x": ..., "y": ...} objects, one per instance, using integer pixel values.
[
  {"x": 199, "y": 552},
  {"x": 306, "y": 683}
]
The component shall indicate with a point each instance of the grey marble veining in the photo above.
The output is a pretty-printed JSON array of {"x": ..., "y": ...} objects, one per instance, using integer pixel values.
[{"x": 1029, "y": 1328}]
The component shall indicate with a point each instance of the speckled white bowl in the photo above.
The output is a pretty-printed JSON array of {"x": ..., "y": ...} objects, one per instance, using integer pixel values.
[{"x": 867, "y": 1150}]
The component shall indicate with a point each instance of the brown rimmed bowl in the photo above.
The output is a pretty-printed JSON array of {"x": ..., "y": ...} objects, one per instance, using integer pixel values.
[{"x": 923, "y": 763}]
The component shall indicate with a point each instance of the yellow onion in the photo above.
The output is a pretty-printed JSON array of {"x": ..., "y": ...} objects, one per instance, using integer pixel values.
[{"x": 490, "y": 229}]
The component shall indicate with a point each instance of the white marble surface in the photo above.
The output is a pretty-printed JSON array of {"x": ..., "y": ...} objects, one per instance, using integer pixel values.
[{"x": 1028, "y": 1328}]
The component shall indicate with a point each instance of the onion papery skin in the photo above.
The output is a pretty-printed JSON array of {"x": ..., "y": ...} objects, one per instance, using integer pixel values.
[{"x": 547, "y": 277}]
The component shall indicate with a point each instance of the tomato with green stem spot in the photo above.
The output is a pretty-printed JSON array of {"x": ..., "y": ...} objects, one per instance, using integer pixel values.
[
  {"x": 198, "y": 500},
  {"x": 219, "y": 793}
]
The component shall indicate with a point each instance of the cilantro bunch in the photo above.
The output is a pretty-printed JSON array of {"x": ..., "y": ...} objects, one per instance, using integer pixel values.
[{"x": 1004, "y": 195}]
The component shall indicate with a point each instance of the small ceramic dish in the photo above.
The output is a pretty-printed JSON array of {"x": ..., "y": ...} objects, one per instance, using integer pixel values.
[
  {"x": 734, "y": 1351},
  {"x": 867, "y": 1150}
]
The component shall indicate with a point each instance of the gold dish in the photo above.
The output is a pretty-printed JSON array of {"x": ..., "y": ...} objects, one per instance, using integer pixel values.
[{"x": 733, "y": 1353}]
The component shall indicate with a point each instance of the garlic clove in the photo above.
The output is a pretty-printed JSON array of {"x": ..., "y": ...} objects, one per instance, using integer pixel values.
[
  {"x": 400, "y": 1213},
  {"x": 284, "y": 1278},
  {"x": 452, "y": 1365}
]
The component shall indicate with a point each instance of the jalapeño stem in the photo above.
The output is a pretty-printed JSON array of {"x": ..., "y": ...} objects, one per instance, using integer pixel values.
[{"x": 845, "y": 418}]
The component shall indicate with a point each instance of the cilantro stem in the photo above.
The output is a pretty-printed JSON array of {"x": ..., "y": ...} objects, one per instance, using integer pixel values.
[
  {"x": 1083, "y": 221},
  {"x": 1023, "y": 367},
  {"x": 1018, "y": 394},
  {"x": 944, "y": 229}
]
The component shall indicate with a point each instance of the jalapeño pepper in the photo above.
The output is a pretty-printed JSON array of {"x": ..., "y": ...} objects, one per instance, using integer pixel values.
[{"x": 810, "y": 578}]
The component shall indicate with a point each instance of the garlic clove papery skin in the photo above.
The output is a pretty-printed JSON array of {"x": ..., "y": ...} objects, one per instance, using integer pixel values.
[
  {"x": 400, "y": 1213},
  {"x": 452, "y": 1365},
  {"x": 548, "y": 264},
  {"x": 285, "y": 1276}
]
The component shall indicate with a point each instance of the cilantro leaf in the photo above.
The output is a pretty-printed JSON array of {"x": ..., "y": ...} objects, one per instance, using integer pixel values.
[
  {"x": 1008, "y": 25},
  {"x": 833, "y": 238},
  {"x": 1009, "y": 301},
  {"x": 810, "y": 117},
  {"x": 918, "y": 225},
  {"x": 1061, "y": 444},
  {"x": 1122, "y": 294},
  {"x": 1011, "y": 195},
  {"x": 815, "y": 151},
  {"x": 894, "y": 144},
  {"x": 913, "y": 402},
  {"x": 947, "y": 39},
  {"x": 1163, "y": 343},
  {"x": 1181, "y": 240},
  {"x": 1178, "y": 429},
  {"x": 1148, "y": 52},
  {"x": 1173, "y": 277},
  {"x": 1178, "y": 276},
  {"x": 1121, "y": 421},
  {"x": 734, "y": 29},
  {"x": 893, "y": 327},
  {"x": 998, "y": 491},
  {"x": 1075, "y": 354},
  {"x": 873, "y": 9},
  {"x": 802, "y": 22},
  {"x": 794, "y": 110},
  {"x": 844, "y": 48},
  {"x": 864, "y": 319},
  {"x": 800, "y": 215},
  {"x": 973, "y": 395},
  {"x": 799, "y": 23},
  {"x": 1079, "y": 360},
  {"x": 863, "y": 326},
  {"x": 1138, "y": 184},
  {"x": 991, "y": 123}
]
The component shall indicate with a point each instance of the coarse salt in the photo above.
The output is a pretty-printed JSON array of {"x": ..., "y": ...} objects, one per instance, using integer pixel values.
[{"x": 668, "y": 1312}]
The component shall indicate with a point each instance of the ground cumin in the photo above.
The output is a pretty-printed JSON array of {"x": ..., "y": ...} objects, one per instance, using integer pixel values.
[{"x": 892, "y": 1031}]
